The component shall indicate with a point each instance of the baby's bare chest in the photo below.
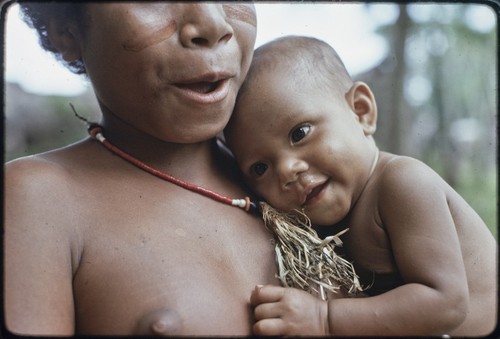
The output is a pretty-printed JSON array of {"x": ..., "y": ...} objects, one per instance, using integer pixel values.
[{"x": 368, "y": 245}]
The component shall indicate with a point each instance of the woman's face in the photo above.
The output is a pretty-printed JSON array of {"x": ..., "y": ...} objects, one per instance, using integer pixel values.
[{"x": 171, "y": 70}]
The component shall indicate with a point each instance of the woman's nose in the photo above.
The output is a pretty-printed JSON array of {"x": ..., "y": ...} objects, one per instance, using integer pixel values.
[
  {"x": 204, "y": 25},
  {"x": 289, "y": 171}
]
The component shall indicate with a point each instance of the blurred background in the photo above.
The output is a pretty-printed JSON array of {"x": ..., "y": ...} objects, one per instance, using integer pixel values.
[{"x": 433, "y": 69}]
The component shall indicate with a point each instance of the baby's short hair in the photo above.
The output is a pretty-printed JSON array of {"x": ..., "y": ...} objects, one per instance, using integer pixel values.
[{"x": 305, "y": 56}]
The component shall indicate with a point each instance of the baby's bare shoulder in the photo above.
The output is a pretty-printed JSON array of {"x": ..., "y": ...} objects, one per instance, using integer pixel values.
[
  {"x": 401, "y": 182},
  {"x": 401, "y": 172},
  {"x": 391, "y": 165}
]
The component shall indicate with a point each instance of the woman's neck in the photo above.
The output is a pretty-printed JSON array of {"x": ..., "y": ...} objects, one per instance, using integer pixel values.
[{"x": 186, "y": 161}]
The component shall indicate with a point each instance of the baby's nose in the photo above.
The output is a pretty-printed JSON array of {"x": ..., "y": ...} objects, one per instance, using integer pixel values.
[{"x": 290, "y": 170}]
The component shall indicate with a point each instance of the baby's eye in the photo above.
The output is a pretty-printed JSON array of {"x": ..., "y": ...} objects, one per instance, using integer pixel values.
[
  {"x": 258, "y": 169},
  {"x": 299, "y": 133}
]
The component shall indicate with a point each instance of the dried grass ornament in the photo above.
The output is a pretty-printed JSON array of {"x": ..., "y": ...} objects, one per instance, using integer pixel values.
[{"x": 304, "y": 260}]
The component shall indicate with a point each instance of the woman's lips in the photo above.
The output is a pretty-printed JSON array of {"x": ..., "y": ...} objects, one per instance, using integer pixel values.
[
  {"x": 205, "y": 91},
  {"x": 201, "y": 87}
]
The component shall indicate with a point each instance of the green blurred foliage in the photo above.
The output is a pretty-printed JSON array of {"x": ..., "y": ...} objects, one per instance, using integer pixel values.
[{"x": 437, "y": 96}]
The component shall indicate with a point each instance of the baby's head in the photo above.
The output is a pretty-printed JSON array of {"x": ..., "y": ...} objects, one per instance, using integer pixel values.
[{"x": 301, "y": 129}]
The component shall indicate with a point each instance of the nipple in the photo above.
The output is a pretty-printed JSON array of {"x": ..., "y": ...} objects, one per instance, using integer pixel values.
[{"x": 161, "y": 322}]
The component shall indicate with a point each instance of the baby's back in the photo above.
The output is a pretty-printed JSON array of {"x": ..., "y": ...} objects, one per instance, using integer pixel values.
[
  {"x": 370, "y": 243},
  {"x": 479, "y": 252}
]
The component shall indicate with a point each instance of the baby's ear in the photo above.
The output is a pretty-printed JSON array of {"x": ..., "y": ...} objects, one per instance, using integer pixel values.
[
  {"x": 362, "y": 102},
  {"x": 62, "y": 35}
]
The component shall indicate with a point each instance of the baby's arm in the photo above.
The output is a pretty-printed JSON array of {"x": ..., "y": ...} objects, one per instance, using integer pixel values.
[
  {"x": 288, "y": 311},
  {"x": 434, "y": 300},
  {"x": 413, "y": 207}
]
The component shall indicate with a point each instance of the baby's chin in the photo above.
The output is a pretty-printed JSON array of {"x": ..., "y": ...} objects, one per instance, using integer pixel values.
[
  {"x": 325, "y": 218},
  {"x": 321, "y": 223},
  {"x": 317, "y": 216}
]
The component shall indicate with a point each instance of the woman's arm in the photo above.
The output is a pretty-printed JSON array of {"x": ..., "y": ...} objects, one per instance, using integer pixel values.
[{"x": 37, "y": 250}]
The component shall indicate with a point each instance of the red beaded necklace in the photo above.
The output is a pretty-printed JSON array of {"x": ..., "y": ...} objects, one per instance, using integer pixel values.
[{"x": 96, "y": 133}]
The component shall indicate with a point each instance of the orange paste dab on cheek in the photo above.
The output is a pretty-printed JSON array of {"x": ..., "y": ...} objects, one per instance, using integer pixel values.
[
  {"x": 238, "y": 12},
  {"x": 139, "y": 43},
  {"x": 241, "y": 13}
]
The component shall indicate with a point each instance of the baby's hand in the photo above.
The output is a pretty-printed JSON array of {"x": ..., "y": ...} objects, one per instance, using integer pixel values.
[
  {"x": 288, "y": 311},
  {"x": 162, "y": 322}
]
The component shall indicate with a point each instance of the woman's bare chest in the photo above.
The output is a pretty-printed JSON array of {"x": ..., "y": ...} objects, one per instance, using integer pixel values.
[{"x": 198, "y": 258}]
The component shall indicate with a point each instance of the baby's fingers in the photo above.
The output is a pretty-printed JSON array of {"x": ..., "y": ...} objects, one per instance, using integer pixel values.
[
  {"x": 274, "y": 327},
  {"x": 267, "y": 311},
  {"x": 266, "y": 294}
]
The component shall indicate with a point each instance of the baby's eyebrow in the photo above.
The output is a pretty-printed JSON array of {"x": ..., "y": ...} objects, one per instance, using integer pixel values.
[
  {"x": 240, "y": 12},
  {"x": 138, "y": 43}
]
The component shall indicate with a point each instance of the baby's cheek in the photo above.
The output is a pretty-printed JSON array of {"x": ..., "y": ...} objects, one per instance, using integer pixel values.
[
  {"x": 271, "y": 200},
  {"x": 284, "y": 202}
]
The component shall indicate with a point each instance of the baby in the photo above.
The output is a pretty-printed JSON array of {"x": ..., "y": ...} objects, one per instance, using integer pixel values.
[{"x": 302, "y": 134}]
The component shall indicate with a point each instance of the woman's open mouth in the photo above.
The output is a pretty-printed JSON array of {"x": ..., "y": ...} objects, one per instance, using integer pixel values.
[
  {"x": 205, "y": 92},
  {"x": 203, "y": 87}
]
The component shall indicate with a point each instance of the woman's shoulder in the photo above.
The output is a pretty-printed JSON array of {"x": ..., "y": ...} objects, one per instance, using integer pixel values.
[
  {"x": 49, "y": 170},
  {"x": 33, "y": 170}
]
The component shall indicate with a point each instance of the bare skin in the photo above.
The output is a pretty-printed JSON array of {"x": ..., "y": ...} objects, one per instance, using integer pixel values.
[
  {"x": 161, "y": 322},
  {"x": 309, "y": 145},
  {"x": 431, "y": 268},
  {"x": 94, "y": 245},
  {"x": 135, "y": 254}
]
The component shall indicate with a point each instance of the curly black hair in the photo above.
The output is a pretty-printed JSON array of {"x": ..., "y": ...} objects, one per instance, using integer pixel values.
[{"x": 37, "y": 15}]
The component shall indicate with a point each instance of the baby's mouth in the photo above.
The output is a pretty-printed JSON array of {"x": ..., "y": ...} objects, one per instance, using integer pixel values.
[{"x": 314, "y": 193}]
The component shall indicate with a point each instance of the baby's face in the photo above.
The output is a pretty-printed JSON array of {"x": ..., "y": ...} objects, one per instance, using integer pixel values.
[{"x": 299, "y": 147}]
